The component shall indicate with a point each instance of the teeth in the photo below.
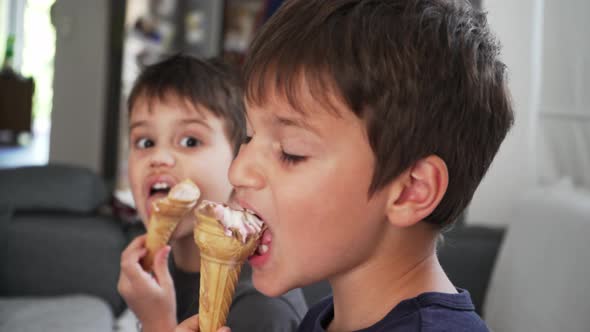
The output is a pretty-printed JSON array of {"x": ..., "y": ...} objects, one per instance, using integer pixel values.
[
  {"x": 262, "y": 249},
  {"x": 160, "y": 185}
]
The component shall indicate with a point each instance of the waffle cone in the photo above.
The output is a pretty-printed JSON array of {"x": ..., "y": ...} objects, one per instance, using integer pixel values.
[
  {"x": 222, "y": 257},
  {"x": 167, "y": 214}
]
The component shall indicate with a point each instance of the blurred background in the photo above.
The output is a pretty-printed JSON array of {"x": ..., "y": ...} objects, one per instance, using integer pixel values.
[
  {"x": 84, "y": 57},
  {"x": 68, "y": 66}
]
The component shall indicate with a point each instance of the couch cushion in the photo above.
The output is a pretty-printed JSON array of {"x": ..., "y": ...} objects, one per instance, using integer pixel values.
[
  {"x": 48, "y": 254},
  {"x": 51, "y": 188},
  {"x": 55, "y": 314}
]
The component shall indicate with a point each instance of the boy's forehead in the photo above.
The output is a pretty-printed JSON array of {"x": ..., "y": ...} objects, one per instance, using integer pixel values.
[
  {"x": 308, "y": 113},
  {"x": 300, "y": 97},
  {"x": 154, "y": 103}
]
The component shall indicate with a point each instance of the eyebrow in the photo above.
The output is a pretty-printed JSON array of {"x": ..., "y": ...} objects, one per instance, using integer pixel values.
[
  {"x": 197, "y": 121},
  {"x": 294, "y": 122},
  {"x": 183, "y": 121},
  {"x": 137, "y": 124}
]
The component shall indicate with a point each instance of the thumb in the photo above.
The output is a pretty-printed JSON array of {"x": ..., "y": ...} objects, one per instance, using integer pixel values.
[
  {"x": 161, "y": 268},
  {"x": 224, "y": 329}
]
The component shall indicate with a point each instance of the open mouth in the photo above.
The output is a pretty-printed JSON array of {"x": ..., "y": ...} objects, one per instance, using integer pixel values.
[
  {"x": 262, "y": 251},
  {"x": 265, "y": 238},
  {"x": 159, "y": 188},
  {"x": 156, "y": 190}
]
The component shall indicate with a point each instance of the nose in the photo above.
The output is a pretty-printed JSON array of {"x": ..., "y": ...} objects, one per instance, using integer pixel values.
[
  {"x": 246, "y": 170},
  {"x": 162, "y": 158}
]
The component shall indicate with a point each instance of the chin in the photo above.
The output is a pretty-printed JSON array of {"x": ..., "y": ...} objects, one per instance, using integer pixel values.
[{"x": 270, "y": 287}]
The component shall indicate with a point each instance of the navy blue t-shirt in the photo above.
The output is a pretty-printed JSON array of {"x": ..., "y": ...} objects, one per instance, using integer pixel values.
[{"x": 427, "y": 312}]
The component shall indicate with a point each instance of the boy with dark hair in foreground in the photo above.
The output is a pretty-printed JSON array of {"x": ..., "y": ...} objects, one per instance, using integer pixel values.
[{"x": 370, "y": 125}]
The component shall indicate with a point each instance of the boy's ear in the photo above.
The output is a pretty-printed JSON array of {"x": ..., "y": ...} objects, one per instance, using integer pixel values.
[{"x": 417, "y": 192}]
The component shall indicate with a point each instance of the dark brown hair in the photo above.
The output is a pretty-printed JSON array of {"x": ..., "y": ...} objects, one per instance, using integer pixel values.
[
  {"x": 424, "y": 75},
  {"x": 208, "y": 83}
]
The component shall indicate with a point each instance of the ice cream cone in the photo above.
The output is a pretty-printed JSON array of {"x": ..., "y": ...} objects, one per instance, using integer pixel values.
[
  {"x": 222, "y": 257},
  {"x": 166, "y": 215}
]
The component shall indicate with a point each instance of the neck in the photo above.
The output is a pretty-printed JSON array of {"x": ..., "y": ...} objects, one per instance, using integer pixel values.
[
  {"x": 404, "y": 265},
  {"x": 186, "y": 254}
]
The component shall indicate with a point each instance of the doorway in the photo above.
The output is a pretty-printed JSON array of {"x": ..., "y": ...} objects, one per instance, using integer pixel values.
[{"x": 29, "y": 22}]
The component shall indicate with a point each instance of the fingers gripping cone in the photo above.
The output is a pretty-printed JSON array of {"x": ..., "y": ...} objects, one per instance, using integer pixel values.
[
  {"x": 166, "y": 215},
  {"x": 222, "y": 257}
]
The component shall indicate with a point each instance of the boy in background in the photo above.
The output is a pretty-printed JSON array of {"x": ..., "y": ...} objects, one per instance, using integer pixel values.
[{"x": 186, "y": 120}]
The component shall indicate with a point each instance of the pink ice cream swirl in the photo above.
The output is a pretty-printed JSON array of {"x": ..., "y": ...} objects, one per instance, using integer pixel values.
[{"x": 240, "y": 221}]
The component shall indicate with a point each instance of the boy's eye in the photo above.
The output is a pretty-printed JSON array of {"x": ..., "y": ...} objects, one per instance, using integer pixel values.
[
  {"x": 189, "y": 142},
  {"x": 291, "y": 159},
  {"x": 247, "y": 139},
  {"x": 144, "y": 143}
]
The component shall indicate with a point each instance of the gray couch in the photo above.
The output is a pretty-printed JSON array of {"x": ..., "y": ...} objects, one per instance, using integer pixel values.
[{"x": 60, "y": 255}]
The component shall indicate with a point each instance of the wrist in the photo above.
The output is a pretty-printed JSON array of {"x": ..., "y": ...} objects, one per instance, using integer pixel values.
[{"x": 159, "y": 325}]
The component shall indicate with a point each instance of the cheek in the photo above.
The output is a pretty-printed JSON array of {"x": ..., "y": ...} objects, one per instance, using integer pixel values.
[
  {"x": 336, "y": 192},
  {"x": 329, "y": 212},
  {"x": 210, "y": 173},
  {"x": 320, "y": 241},
  {"x": 215, "y": 187},
  {"x": 312, "y": 215}
]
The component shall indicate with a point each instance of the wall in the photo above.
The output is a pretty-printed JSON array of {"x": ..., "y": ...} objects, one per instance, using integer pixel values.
[
  {"x": 564, "y": 133},
  {"x": 513, "y": 171},
  {"x": 547, "y": 51},
  {"x": 566, "y": 59},
  {"x": 79, "y": 83}
]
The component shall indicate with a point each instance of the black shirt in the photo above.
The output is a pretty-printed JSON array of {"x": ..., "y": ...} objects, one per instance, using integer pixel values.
[{"x": 427, "y": 312}]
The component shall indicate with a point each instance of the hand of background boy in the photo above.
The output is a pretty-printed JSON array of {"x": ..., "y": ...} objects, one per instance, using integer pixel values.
[
  {"x": 191, "y": 324},
  {"x": 151, "y": 298}
]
